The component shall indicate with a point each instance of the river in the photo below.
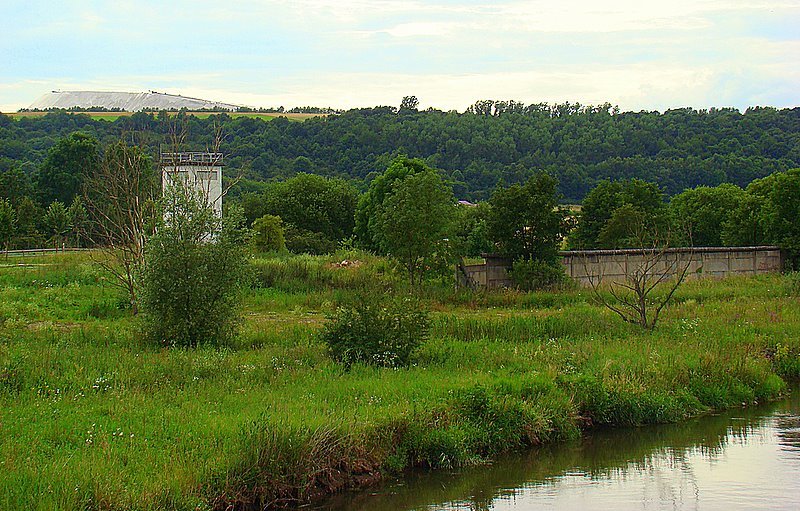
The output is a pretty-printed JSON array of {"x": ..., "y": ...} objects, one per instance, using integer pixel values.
[{"x": 740, "y": 459}]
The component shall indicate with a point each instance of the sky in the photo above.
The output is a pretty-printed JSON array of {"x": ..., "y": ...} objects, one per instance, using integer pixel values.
[{"x": 637, "y": 54}]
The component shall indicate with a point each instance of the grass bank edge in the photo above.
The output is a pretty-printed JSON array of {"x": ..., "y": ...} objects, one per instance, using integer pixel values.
[{"x": 282, "y": 465}]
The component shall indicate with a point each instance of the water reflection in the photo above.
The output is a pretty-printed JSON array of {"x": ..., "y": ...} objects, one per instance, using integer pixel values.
[{"x": 745, "y": 459}]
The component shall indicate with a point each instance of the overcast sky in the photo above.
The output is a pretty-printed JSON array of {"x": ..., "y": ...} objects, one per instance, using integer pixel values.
[{"x": 638, "y": 54}]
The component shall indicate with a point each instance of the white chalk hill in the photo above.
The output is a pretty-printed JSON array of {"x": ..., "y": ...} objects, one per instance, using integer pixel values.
[{"x": 126, "y": 101}]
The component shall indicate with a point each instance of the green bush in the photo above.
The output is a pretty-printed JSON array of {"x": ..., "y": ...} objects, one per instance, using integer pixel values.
[
  {"x": 375, "y": 330},
  {"x": 534, "y": 274},
  {"x": 303, "y": 241},
  {"x": 268, "y": 234},
  {"x": 196, "y": 268}
]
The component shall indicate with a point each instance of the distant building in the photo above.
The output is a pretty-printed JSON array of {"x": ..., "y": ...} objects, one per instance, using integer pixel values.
[{"x": 201, "y": 171}]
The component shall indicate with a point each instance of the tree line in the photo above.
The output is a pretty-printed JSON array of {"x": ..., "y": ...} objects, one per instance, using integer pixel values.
[
  {"x": 44, "y": 203},
  {"x": 493, "y": 143}
]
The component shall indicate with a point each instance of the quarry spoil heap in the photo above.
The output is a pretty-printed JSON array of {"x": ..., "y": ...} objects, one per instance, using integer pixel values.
[{"x": 125, "y": 101}]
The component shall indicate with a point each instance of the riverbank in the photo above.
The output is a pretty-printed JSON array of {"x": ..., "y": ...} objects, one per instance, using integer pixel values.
[
  {"x": 92, "y": 418},
  {"x": 742, "y": 458}
]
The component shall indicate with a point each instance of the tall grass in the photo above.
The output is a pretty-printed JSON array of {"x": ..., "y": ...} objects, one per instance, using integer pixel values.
[
  {"x": 91, "y": 417},
  {"x": 346, "y": 269}
]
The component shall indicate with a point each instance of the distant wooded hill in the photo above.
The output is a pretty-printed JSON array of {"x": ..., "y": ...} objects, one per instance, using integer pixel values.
[{"x": 492, "y": 143}]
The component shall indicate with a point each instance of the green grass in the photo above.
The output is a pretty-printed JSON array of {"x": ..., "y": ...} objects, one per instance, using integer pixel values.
[{"x": 93, "y": 418}]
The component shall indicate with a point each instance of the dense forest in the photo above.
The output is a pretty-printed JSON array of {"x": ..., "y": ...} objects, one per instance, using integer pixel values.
[{"x": 493, "y": 142}]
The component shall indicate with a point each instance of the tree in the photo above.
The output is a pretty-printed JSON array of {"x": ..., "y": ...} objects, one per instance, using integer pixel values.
[
  {"x": 412, "y": 222},
  {"x": 767, "y": 214},
  {"x": 29, "y": 215},
  {"x": 268, "y": 234},
  {"x": 580, "y": 145},
  {"x": 195, "y": 271},
  {"x": 57, "y": 222},
  {"x": 649, "y": 282},
  {"x": 744, "y": 226},
  {"x": 311, "y": 207},
  {"x": 14, "y": 184},
  {"x": 470, "y": 236},
  {"x": 120, "y": 197},
  {"x": 525, "y": 221},
  {"x": 408, "y": 104},
  {"x": 601, "y": 225},
  {"x": 702, "y": 212},
  {"x": 8, "y": 223},
  {"x": 597, "y": 208},
  {"x": 781, "y": 210},
  {"x": 366, "y": 218},
  {"x": 78, "y": 220},
  {"x": 68, "y": 162}
]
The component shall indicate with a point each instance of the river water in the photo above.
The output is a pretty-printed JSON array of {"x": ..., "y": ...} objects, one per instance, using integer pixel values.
[{"x": 741, "y": 459}]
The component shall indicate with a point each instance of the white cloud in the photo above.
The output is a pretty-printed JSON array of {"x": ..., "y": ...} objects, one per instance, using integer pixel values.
[
  {"x": 531, "y": 15},
  {"x": 422, "y": 29},
  {"x": 635, "y": 87},
  {"x": 638, "y": 53}
]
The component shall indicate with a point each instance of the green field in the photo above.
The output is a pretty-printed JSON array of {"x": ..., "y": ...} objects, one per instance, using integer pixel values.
[{"x": 92, "y": 417}]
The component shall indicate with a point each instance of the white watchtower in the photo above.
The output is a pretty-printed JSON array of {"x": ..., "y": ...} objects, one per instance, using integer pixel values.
[{"x": 201, "y": 171}]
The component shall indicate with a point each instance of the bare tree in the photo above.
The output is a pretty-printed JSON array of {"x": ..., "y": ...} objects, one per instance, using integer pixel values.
[
  {"x": 121, "y": 199},
  {"x": 639, "y": 297},
  {"x": 120, "y": 196},
  {"x": 176, "y": 144}
]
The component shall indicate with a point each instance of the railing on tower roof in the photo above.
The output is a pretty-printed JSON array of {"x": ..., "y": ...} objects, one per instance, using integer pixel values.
[{"x": 191, "y": 158}]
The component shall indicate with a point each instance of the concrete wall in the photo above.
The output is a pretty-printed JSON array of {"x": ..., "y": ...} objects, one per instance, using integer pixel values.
[
  {"x": 612, "y": 265},
  {"x": 607, "y": 266},
  {"x": 493, "y": 273}
]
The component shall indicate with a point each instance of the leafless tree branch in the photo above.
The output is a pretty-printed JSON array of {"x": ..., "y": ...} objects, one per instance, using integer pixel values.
[{"x": 634, "y": 299}]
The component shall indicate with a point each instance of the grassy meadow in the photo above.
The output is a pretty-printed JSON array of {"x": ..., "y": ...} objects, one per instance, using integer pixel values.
[{"x": 93, "y": 417}]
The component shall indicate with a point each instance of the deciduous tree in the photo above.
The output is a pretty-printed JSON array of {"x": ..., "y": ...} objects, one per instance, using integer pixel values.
[
  {"x": 408, "y": 104},
  {"x": 268, "y": 234},
  {"x": 366, "y": 218},
  {"x": 8, "y": 223},
  {"x": 67, "y": 164},
  {"x": 525, "y": 221},
  {"x": 120, "y": 196},
  {"x": 57, "y": 222},
  {"x": 413, "y": 221},
  {"x": 195, "y": 271},
  {"x": 701, "y": 212},
  {"x": 612, "y": 213},
  {"x": 649, "y": 283},
  {"x": 781, "y": 211}
]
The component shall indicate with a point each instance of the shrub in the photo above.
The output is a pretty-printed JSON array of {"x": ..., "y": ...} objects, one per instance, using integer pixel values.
[
  {"x": 195, "y": 269},
  {"x": 303, "y": 241},
  {"x": 376, "y": 330},
  {"x": 268, "y": 234},
  {"x": 533, "y": 274}
]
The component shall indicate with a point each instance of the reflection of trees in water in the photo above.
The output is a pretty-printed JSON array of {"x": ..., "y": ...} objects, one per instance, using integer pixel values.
[
  {"x": 789, "y": 432},
  {"x": 601, "y": 455}
]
